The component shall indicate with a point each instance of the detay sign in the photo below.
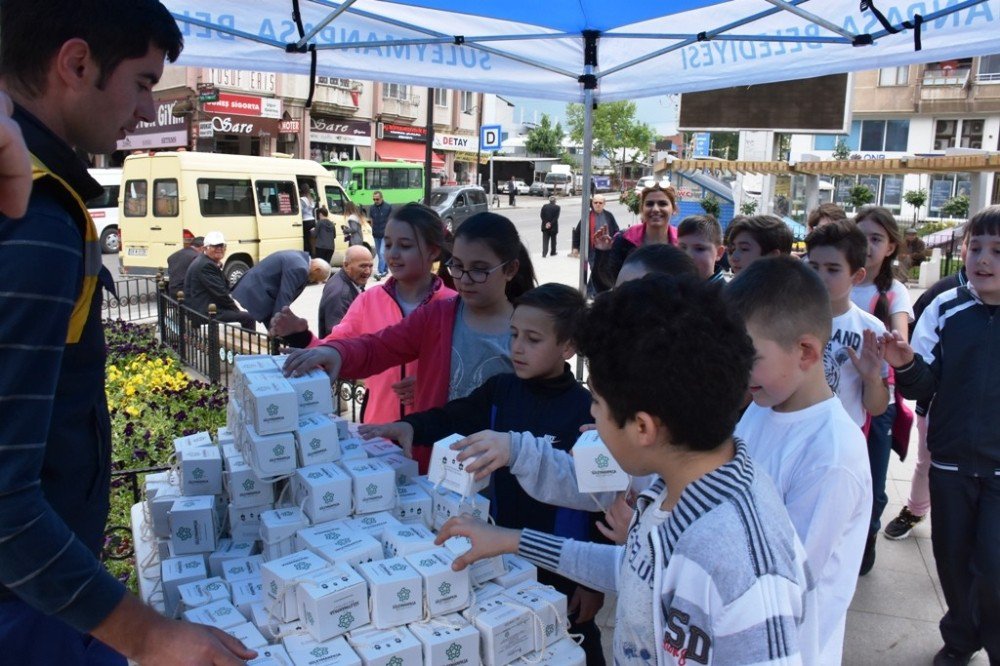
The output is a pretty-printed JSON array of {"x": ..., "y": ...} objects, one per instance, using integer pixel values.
[{"x": 456, "y": 142}]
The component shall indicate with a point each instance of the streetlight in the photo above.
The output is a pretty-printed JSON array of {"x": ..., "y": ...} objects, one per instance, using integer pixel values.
[{"x": 479, "y": 131}]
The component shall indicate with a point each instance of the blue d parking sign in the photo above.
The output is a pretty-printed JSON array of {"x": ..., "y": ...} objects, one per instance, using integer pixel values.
[{"x": 489, "y": 137}]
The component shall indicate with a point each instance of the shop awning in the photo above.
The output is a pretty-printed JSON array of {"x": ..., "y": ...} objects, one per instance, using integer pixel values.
[{"x": 401, "y": 151}]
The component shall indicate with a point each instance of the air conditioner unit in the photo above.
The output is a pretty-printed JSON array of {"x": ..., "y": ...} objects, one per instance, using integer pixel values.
[{"x": 415, "y": 100}]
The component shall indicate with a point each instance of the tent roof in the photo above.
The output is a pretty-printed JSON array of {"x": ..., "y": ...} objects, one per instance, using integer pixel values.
[
  {"x": 900, "y": 165},
  {"x": 644, "y": 47}
]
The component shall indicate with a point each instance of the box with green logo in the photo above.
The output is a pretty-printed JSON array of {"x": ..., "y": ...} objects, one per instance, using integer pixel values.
[
  {"x": 332, "y": 602},
  {"x": 318, "y": 441},
  {"x": 313, "y": 392},
  {"x": 219, "y": 614},
  {"x": 281, "y": 577},
  {"x": 374, "y": 485},
  {"x": 396, "y": 592},
  {"x": 448, "y": 641},
  {"x": 445, "y": 590},
  {"x": 323, "y": 491},
  {"x": 304, "y": 650},
  {"x": 193, "y": 526},
  {"x": 597, "y": 470},
  {"x": 386, "y": 647}
]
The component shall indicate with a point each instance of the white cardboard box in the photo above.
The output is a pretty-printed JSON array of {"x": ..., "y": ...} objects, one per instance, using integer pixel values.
[
  {"x": 332, "y": 602},
  {"x": 248, "y": 634},
  {"x": 320, "y": 535},
  {"x": 243, "y": 486},
  {"x": 312, "y": 391},
  {"x": 281, "y": 576},
  {"x": 193, "y": 526},
  {"x": 246, "y": 593},
  {"x": 352, "y": 547},
  {"x": 352, "y": 448},
  {"x": 244, "y": 521},
  {"x": 175, "y": 572},
  {"x": 386, "y": 647},
  {"x": 448, "y": 472},
  {"x": 380, "y": 446},
  {"x": 219, "y": 614},
  {"x": 448, "y": 503},
  {"x": 201, "y": 471},
  {"x": 506, "y": 630},
  {"x": 242, "y": 569},
  {"x": 318, "y": 441},
  {"x": 374, "y": 524},
  {"x": 482, "y": 570},
  {"x": 306, "y": 651},
  {"x": 324, "y": 492},
  {"x": 396, "y": 592},
  {"x": 407, "y": 539},
  {"x": 447, "y": 641},
  {"x": 561, "y": 653},
  {"x": 548, "y": 604},
  {"x": 202, "y": 592},
  {"x": 271, "y": 655},
  {"x": 271, "y": 403},
  {"x": 374, "y": 485},
  {"x": 413, "y": 505},
  {"x": 159, "y": 508},
  {"x": 269, "y": 455},
  {"x": 596, "y": 469},
  {"x": 445, "y": 591},
  {"x": 517, "y": 570},
  {"x": 224, "y": 436},
  {"x": 278, "y": 525},
  {"x": 406, "y": 468}
]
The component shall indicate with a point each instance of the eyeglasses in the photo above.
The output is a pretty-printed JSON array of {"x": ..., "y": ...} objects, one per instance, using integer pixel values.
[
  {"x": 216, "y": 247},
  {"x": 477, "y": 275}
]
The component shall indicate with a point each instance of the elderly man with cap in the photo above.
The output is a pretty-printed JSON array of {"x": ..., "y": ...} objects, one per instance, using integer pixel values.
[
  {"x": 205, "y": 284},
  {"x": 277, "y": 281},
  {"x": 179, "y": 262}
]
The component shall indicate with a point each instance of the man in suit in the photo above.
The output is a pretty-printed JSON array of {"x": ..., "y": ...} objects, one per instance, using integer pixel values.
[
  {"x": 341, "y": 290},
  {"x": 550, "y": 226},
  {"x": 205, "y": 284},
  {"x": 179, "y": 262},
  {"x": 277, "y": 281}
]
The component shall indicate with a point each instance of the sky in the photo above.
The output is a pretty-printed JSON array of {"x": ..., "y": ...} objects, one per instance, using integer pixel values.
[{"x": 658, "y": 112}]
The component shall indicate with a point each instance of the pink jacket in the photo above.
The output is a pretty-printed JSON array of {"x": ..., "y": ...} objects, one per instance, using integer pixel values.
[{"x": 372, "y": 311}]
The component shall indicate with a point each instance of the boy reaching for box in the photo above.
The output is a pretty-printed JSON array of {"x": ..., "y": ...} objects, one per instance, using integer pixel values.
[
  {"x": 798, "y": 432},
  {"x": 712, "y": 571}
]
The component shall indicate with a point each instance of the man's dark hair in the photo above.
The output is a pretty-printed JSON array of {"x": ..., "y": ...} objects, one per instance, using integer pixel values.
[
  {"x": 706, "y": 225},
  {"x": 984, "y": 223},
  {"x": 783, "y": 298},
  {"x": 769, "y": 231},
  {"x": 564, "y": 304},
  {"x": 670, "y": 347},
  {"x": 844, "y": 236},
  {"x": 115, "y": 30},
  {"x": 663, "y": 259}
]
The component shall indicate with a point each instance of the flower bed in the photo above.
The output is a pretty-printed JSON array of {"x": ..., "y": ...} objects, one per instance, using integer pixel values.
[{"x": 151, "y": 401}]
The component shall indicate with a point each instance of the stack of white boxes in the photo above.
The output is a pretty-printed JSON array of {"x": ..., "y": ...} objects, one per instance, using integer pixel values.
[{"x": 314, "y": 546}]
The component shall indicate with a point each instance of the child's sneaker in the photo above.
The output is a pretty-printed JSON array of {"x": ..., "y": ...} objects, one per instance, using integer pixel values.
[{"x": 901, "y": 525}]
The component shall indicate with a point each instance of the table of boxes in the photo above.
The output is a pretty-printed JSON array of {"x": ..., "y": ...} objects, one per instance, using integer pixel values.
[{"x": 316, "y": 548}]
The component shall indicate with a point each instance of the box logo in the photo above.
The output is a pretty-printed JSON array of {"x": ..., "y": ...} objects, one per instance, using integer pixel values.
[
  {"x": 279, "y": 450},
  {"x": 307, "y": 395},
  {"x": 602, "y": 461},
  {"x": 184, "y": 533},
  {"x": 454, "y": 651},
  {"x": 404, "y": 594},
  {"x": 319, "y": 652},
  {"x": 302, "y": 566},
  {"x": 248, "y": 485},
  {"x": 444, "y": 588},
  {"x": 345, "y": 620},
  {"x": 328, "y": 497},
  {"x": 371, "y": 489},
  {"x": 198, "y": 473},
  {"x": 272, "y": 410},
  {"x": 315, "y": 444}
]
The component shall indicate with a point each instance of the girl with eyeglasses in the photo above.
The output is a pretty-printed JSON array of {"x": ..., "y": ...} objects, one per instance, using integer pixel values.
[
  {"x": 658, "y": 205},
  {"x": 460, "y": 342}
]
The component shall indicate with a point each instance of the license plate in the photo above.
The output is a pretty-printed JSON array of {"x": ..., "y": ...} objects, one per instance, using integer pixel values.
[{"x": 138, "y": 251}]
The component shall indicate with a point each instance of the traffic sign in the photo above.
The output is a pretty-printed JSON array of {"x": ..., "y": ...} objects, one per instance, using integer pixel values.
[{"x": 490, "y": 137}]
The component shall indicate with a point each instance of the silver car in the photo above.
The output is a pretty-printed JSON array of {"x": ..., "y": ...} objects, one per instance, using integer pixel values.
[{"x": 456, "y": 203}]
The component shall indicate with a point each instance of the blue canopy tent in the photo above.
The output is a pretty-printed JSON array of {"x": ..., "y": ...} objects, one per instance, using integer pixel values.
[{"x": 582, "y": 50}]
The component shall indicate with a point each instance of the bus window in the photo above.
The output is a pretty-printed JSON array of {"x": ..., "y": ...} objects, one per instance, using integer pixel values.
[
  {"x": 334, "y": 200},
  {"x": 277, "y": 197},
  {"x": 165, "y": 197},
  {"x": 225, "y": 196},
  {"x": 135, "y": 198}
]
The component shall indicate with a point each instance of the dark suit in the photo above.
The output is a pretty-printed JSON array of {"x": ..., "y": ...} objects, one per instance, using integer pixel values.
[
  {"x": 204, "y": 285},
  {"x": 273, "y": 283},
  {"x": 338, "y": 294},
  {"x": 177, "y": 267},
  {"x": 550, "y": 227}
]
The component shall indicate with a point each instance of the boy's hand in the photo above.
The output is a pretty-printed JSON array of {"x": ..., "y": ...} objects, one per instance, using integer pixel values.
[
  {"x": 492, "y": 451},
  {"x": 869, "y": 363},
  {"x": 898, "y": 352},
  {"x": 588, "y": 426},
  {"x": 584, "y": 604},
  {"x": 287, "y": 322},
  {"x": 487, "y": 540},
  {"x": 400, "y": 432},
  {"x": 404, "y": 389},
  {"x": 618, "y": 517},
  {"x": 301, "y": 361}
]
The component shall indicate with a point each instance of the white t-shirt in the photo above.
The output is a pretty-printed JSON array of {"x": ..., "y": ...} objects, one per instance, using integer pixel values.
[
  {"x": 841, "y": 374},
  {"x": 818, "y": 460},
  {"x": 899, "y": 298},
  {"x": 634, "y": 633}
]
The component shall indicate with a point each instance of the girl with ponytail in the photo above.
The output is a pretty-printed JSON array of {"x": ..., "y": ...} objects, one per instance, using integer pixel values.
[{"x": 881, "y": 294}]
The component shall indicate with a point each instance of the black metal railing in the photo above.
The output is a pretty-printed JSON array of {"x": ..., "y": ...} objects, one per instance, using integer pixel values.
[
  {"x": 134, "y": 300},
  {"x": 118, "y": 542}
]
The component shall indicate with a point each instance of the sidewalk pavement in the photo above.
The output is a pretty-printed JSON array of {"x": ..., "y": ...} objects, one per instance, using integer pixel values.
[{"x": 894, "y": 616}]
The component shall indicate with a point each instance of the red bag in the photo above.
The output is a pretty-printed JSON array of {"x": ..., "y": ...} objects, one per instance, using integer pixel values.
[{"x": 901, "y": 427}]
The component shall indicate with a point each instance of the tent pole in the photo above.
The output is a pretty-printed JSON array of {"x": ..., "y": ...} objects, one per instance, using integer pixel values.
[{"x": 429, "y": 147}]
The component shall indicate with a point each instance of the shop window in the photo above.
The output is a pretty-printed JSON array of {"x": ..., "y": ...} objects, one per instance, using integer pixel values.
[
  {"x": 165, "y": 199},
  {"x": 135, "y": 198},
  {"x": 892, "y": 193},
  {"x": 277, "y": 197},
  {"x": 944, "y": 186},
  {"x": 225, "y": 196}
]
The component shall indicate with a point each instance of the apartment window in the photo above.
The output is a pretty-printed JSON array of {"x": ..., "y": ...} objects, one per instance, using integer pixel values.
[
  {"x": 965, "y": 133},
  {"x": 395, "y": 91},
  {"x": 880, "y": 135},
  {"x": 944, "y": 134},
  {"x": 894, "y": 76},
  {"x": 989, "y": 69},
  {"x": 441, "y": 96},
  {"x": 828, "y": 141},
  {"x": 972, "y": 133},
  {"x": 468, "y": 101}
]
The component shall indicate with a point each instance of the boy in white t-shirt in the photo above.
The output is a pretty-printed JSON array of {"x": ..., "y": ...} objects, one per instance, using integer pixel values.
[
  {"x": 799, "y": 433},
  {"x": 853, "y": 360}
]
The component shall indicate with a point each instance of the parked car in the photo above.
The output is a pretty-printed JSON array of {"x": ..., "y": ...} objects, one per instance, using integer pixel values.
[
  {"x": 519, "y": 185},
  {"x": 537, "y": 189},
  {"x": 456, "y": 203},
  {"x": 649, "y": 181}
]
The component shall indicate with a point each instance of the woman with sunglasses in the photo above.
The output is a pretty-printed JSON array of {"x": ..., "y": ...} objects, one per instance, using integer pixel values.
[
  {"x": 658, "y": 204},
  {"x": 460, "y": 342}
]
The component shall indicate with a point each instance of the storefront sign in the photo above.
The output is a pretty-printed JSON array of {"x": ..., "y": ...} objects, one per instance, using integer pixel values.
[
  {"x": 324, "y": 129},
  {"x": 207, "y": 93},
  {"x": 246, "y": 125},
  {"x": 289, "y": 126},
  {"x": 237, "y": 79},
  {"x": 456, "y": 142},
  {"x": 394, "y": 132},
  {"x": 166, "y": 130},
  {"x": 245, "y": 105}
]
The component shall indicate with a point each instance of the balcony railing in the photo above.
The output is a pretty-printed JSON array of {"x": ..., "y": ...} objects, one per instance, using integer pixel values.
[{"x": 946, "y": 77}]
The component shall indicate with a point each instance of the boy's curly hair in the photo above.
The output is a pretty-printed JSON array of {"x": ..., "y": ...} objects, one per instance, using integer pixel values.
[{"x": 670, "y": 347}]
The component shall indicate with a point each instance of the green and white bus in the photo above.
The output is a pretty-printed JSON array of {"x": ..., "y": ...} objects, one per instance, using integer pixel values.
[{"x": 399, "y": 182}]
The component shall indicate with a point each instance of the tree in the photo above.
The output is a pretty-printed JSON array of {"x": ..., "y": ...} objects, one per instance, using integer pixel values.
[
  {"x": 711, "y": 205},
  {"x": 859, "y": 195},
  {"x": 748, "y": 207},
  {"x": 841, "y": 152},
  {"x": 616, "y": 131},
  {"x": 917, "y": 199},
  {"x": 545, "y": 140},
  {"x": 956, "y": 207}
]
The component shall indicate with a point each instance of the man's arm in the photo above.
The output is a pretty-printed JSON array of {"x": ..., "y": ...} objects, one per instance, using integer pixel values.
[{"x": 463, "y": 416}]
